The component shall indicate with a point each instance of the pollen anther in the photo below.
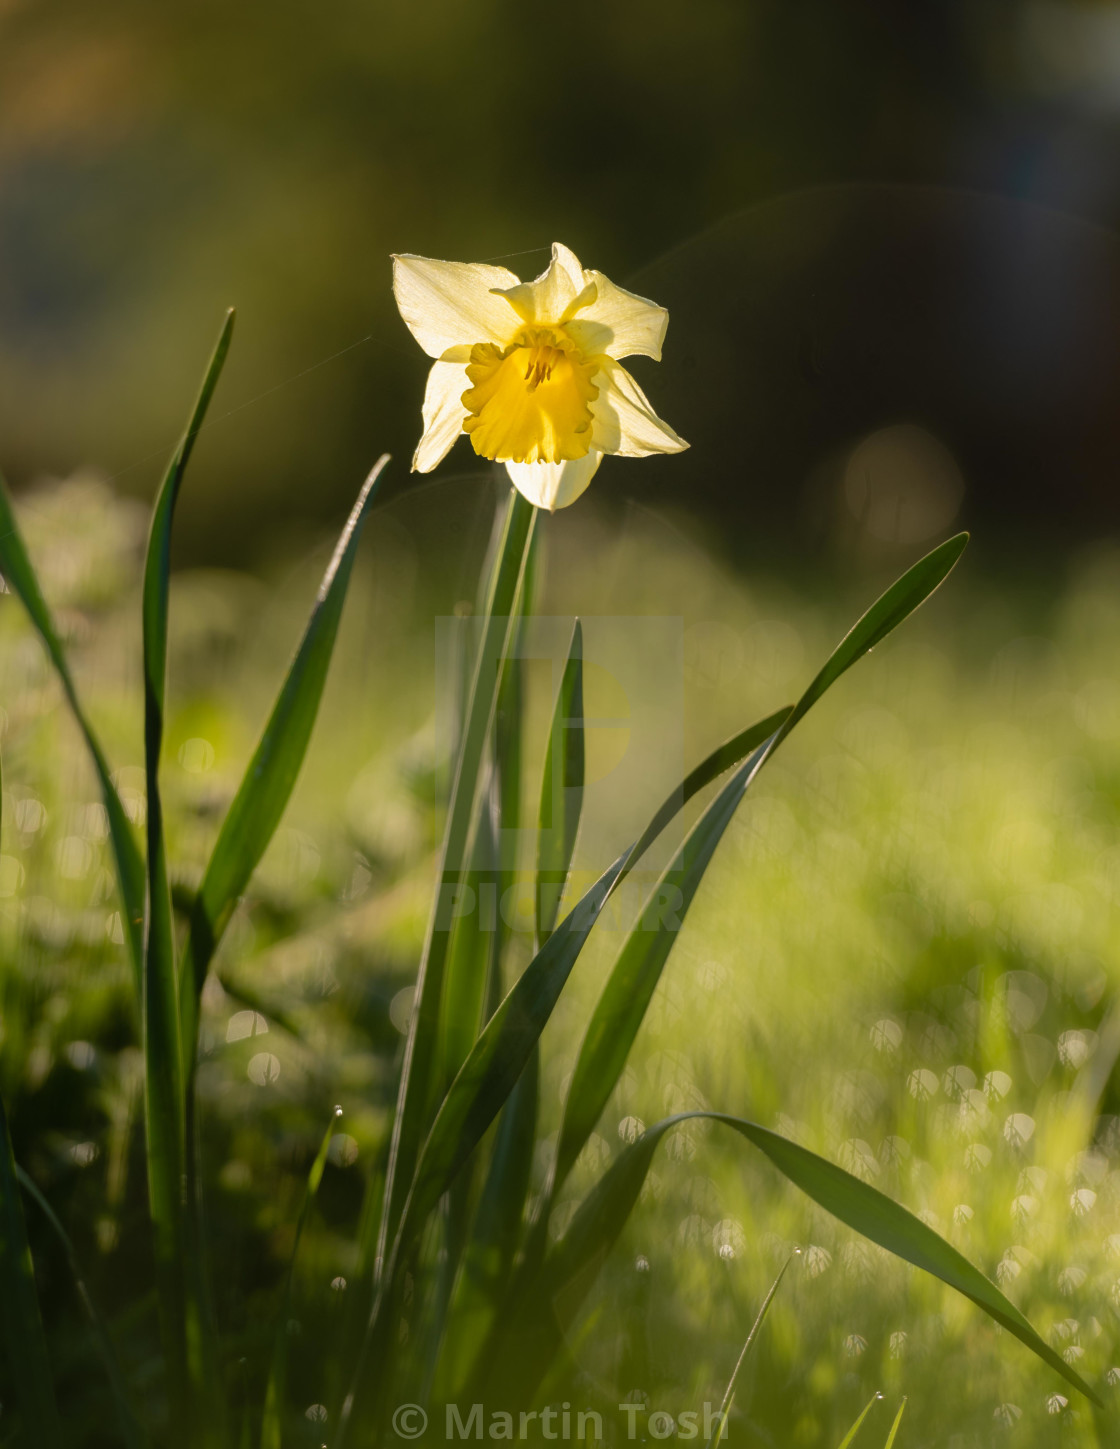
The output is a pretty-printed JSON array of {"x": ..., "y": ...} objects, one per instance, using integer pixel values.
[{"x": 542, "y": 359}]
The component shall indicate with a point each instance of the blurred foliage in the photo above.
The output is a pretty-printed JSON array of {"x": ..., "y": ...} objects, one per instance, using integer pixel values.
[
  {"x": 160, "y": 162},
  {"x": 901, "y": 957}
]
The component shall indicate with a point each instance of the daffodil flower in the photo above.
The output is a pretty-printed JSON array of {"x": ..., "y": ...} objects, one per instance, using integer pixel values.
[{"x": 530, "y": 371}]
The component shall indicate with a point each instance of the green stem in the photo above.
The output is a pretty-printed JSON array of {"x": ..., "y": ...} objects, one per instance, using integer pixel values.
[
  {"x": 194, "y": 1392},
  {"x": 415, "y": 1090}
]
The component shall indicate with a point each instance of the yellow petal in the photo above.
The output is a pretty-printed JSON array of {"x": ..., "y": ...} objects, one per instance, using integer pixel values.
[
  {"x": 549, "y": 299},
  {"x": 443, "y": 410},
  {"x": 554, "y": 485},
  {"x": 625, "y": 423},
  {"x": 451, "y": 304},
  {"x": 530, "y": 403},
  {"x": 619, "y": 323}
]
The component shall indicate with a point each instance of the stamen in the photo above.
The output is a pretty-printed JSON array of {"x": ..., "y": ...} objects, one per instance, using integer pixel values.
[{"x": 542, "y": 359}]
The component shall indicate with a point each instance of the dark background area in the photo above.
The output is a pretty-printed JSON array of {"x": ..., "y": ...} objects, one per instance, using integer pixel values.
[{"x": 862, "y": 216}]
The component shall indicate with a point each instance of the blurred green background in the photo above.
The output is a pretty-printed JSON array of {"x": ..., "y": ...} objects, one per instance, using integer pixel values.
[
  {"x": 886, "y": 235},
  {"x": 859, "y": 213}
]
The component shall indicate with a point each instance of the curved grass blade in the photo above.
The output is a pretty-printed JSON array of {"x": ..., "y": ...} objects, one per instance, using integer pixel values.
[
  {"x": 499, "y": 1056},
  {"x": 272, "y": 772},
  {"x": 893, "y": 1435},
  {"x": 266, "y": 1005},
  {"x": 630, "y": 986},
  {"x": 132, "y": 1436},
  {"x": 569, "y": 1269},
  {"x": 877, "y": 1217},
  {"x": 884, "y": 615},
  {"x": 24, "y": 1340},
  {"x": 561, "y": 790},
  {"x": 621, "y": 1008},
  {"x": 189, "y": 1346},
  {"x": 422, "y": 1043},
  {"x": 16, "y": 567},
  {"x": 732, "y": 752},
  {"x": 854, "y": 1430},
  {"x": 272, "y": 1418},
  {"x": 510, "y": 1037},
  {"x": 733, "y": 1381}
]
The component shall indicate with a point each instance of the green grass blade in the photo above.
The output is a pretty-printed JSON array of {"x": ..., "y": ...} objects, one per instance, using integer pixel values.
[
  {"x": 132, "y": 1436},
  {"x": 24, "y": 1340},
  {"x": 272, "y": 772},
  {"x": 507, "y": 1182},
  {"x": 498, "y": 1219},
  {"x": 471, "y": 966},
  {"x": 268, "y": 1005},
  {"x": 733, "y": 1381},
  {"x": 422, "y": 1043},
  {"x": 587, "y": 1097},
  {"x": 272, "y": 1418},
  {"x": 19, "y": 574},
  {"x": 499, "y": 1056},
  {"x": 495, "y": 1063},
  {"x": 603, "y": 1213},
  {"x": 189, "y": 1346},
  {"x": 490, "y": 1072},
  {"x": 469, "y": 954},
  {"x": 894, "y": 1427},
  {"x": 884, "y": 615},
  {"x": 474, "y": 1099},
  {"x": 621, "y": 1008},
  {"x": 854, "y": 1430},
  {"x": 496, "y": 1230},
  {"x": 732, "y": 752},
  {"x": 21, "y": 1324},
  {"x": 877, "y": 1217},
  {"x": 561, "y": 790},
  {"x": 548, "y": 1292}
]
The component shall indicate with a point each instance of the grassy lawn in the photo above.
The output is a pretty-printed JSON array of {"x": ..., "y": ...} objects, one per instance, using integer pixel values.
[{"x": 901, "y": 958}]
